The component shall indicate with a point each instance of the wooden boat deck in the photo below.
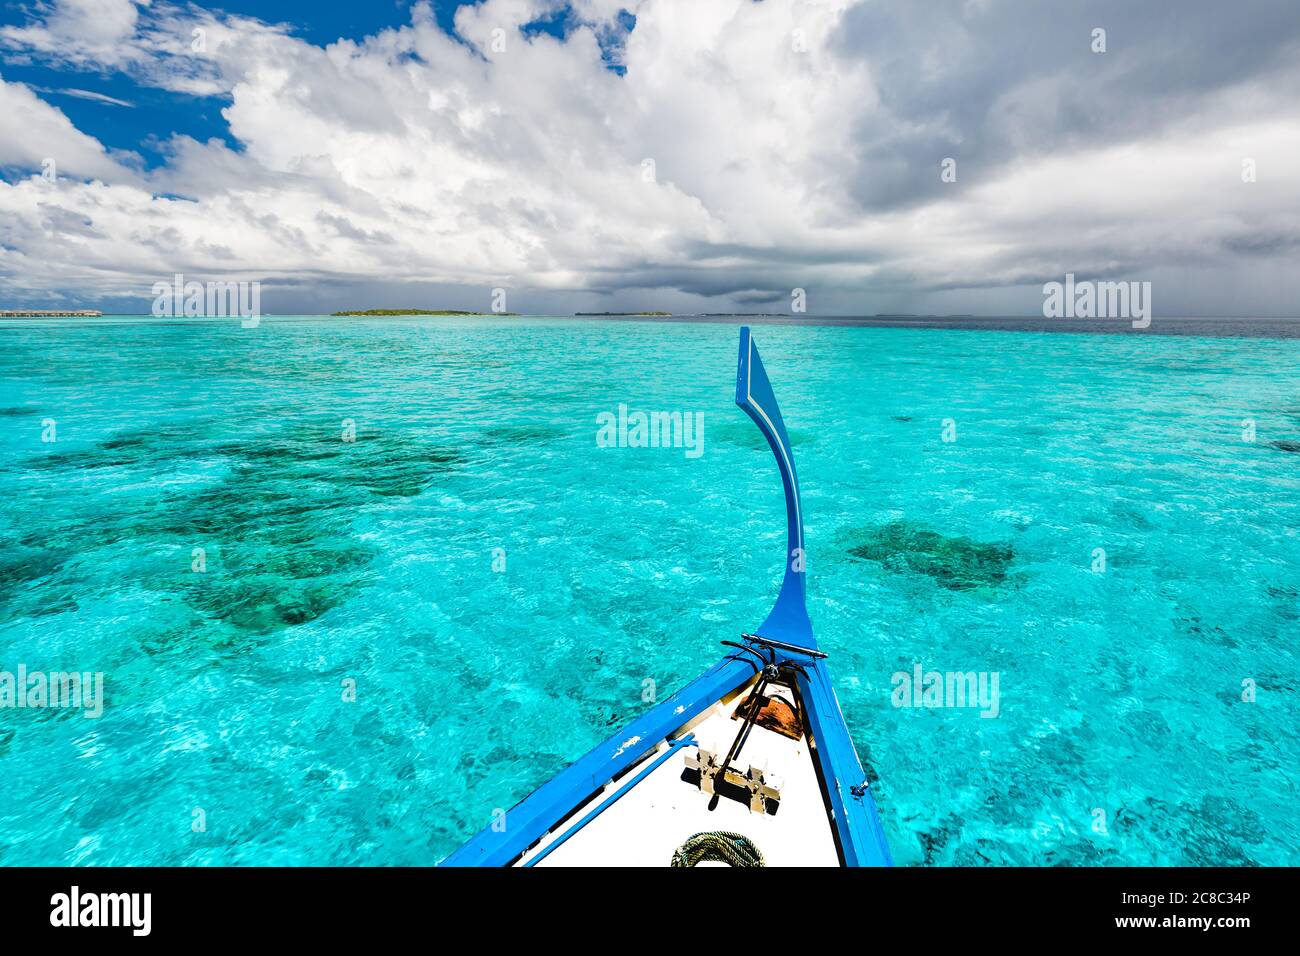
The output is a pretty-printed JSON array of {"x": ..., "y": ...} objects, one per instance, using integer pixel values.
[{"x": 661, "y": 811}]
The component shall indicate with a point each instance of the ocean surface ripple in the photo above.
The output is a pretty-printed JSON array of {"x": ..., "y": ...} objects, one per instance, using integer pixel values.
[{"x": 503, "y": 593}]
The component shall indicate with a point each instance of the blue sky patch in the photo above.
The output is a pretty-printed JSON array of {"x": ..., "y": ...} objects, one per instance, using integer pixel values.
[{"x": 127, "y": 116}]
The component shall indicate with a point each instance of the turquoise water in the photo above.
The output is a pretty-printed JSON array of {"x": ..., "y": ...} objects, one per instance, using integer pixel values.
[{"x": 372, "y": 561}]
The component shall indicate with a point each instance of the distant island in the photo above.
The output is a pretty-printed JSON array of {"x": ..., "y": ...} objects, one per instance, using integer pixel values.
[
  {"x": 418, "y": 312},
  {"x": 623, "y": 313},
  {"x": 46, "y": 314}
]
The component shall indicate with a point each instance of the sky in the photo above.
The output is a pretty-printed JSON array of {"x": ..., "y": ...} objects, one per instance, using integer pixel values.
[{"x": 946, "y": 157}]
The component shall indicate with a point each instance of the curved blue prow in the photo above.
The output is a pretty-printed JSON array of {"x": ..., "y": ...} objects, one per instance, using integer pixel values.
[
  {"x": 857, "y": 822},
  {"x": 788, "y": 620},
  {"x": 853, "y": 815}
]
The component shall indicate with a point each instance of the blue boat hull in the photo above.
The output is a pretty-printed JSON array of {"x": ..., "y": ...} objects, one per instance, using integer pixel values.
[{"x": 785, "y": 642}]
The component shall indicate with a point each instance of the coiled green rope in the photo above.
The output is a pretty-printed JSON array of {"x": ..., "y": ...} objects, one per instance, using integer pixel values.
[{"x": 730, "y": 848}]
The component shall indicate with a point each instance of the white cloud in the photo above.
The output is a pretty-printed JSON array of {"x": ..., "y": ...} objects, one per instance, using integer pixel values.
[
  {"x": 90, "y": 95},
  {"x": 100, "y": 32},
  {"x": 33, "y": 132},
  {"x": 411, "y": 156}
]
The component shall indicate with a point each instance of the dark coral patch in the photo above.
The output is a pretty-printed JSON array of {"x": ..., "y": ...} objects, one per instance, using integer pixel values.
[
  {"x": 951, "y": 561},
  {"x": 275, "y": 527},
  {"x": 22, "y": 565}
]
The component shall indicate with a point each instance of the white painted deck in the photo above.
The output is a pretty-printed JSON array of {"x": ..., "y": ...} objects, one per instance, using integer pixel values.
[{"x": 654, "y": 818}]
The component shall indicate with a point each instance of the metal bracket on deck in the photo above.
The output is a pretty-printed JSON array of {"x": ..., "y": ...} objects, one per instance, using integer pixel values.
[
  {"x": 706, "y": 763},
  {"x": 759, "y": 791}
]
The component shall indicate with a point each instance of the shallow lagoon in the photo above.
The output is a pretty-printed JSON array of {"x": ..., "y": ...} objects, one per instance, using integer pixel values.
[{"x": 330, "y": 561}]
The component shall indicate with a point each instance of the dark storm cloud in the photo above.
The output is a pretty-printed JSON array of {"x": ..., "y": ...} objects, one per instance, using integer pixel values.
[
  {"x": 412, "y": 168},
  {"x": 989, "y": 83}
]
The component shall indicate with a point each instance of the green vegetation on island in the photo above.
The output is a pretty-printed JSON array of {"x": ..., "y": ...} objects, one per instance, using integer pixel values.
[{"x": 418, "y": 312}]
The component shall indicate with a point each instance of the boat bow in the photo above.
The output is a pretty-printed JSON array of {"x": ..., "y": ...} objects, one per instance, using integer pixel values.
[
  {"x": 640, "y": 795},
  {"x": 861, "y": 836}
]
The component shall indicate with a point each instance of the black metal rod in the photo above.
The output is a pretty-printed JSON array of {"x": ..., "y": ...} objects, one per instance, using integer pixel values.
[
  {"x": 750, "y": 713},
  {"x": 783, "y": 646}
]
